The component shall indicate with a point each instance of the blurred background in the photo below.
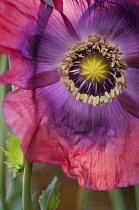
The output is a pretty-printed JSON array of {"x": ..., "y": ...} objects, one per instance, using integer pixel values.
[{"x": 71, "y": 194}]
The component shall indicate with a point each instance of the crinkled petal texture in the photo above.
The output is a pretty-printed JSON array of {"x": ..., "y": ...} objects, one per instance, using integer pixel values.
[
  {"x": 98, "y": 146},
  {"x": 36, "y": 36}
]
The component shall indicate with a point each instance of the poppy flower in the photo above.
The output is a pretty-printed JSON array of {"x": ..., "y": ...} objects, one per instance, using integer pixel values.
[{"x": 76, "y": 67}]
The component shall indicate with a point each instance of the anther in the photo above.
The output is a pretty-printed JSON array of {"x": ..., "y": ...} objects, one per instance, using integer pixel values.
[{"x": 93, "y": 71}]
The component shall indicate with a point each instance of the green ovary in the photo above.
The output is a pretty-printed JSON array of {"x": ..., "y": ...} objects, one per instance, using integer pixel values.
[{"x": 94, "y": 68}]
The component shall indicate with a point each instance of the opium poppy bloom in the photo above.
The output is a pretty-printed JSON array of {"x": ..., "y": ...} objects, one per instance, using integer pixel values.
[{"x": 77, "y": 71}]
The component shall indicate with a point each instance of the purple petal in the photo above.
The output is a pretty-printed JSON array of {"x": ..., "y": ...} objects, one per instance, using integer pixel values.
[
  {"x": 34, "y": 126},
  {"x": 37, "y": 46},
  {"x": 101, "y": 157},
  {"x": 132, "y": 76},
  {"x": 77, "y": 120},
  {"x": 73, "y": 9},
  {"x": 132, "y": 60},
  {"x": 117, "y": 21},
  {"x": 44, "y": 79},
  {"x": 129, "y": 103}
]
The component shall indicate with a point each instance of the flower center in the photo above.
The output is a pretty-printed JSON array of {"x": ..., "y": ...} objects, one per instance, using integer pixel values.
[
  {"x": 94, "y": 68},
  {"x": 93, "y": 71}
]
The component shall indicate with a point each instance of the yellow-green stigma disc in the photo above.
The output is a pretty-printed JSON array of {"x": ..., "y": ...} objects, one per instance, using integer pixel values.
[{"x": 94, "y": 68}]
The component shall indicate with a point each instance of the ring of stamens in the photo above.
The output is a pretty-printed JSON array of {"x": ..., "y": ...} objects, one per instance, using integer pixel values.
[{"x": 93, "y": 71}]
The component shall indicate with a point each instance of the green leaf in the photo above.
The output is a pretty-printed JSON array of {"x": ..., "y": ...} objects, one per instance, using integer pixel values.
[
  {"x": 16, "y": 156},
  {"x": 49, "y": 199}
]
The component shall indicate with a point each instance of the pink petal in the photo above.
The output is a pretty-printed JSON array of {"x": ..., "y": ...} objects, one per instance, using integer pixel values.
[
  {"x": 99, "y": 160},
  {"x": 14, "y": 17},
  {"x": 116, "y": 165},
  {"x": 34, "y": 49},
  {"x": 73, "y": 9},
  {"x": 39, "y": 140}
]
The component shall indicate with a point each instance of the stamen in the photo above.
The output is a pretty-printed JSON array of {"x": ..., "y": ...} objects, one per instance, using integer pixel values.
[{"x": 93, "y": 71}]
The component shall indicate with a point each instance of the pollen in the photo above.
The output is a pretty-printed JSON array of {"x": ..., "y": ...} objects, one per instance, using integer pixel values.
[{"x": 95, "y": 68}]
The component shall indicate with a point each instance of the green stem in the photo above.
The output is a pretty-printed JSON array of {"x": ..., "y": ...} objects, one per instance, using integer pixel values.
[
  {"x": 117, "y": 199},
  {"x": 3, "y": 66},
  {"x": 13, "y": 87},
  {"x": 26, "y": 192},
  {"x": 136, "y": 189},
  {"x": 84, "y": 198}
]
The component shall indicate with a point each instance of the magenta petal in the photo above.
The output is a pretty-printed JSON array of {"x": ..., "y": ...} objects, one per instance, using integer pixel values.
[
  {"x": 116, "y": 166},
  {"x": 18, "y": 74},
  {"x": 101, "y": 159},
  {"x": 73, "y": 9},
  {"x": 10, "y": 25},
  {"x": 45, "y": 146},
  {"x": 39, "y": 141},
  {"x": 27, "y": 80},
  {"x": 44, "y": 79},
  {"x": 98, "y": 146},
  {"x": 108, "y": 160},
  {"x": 34, "y": 48},
  {"x": 58, "y": 5}
]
